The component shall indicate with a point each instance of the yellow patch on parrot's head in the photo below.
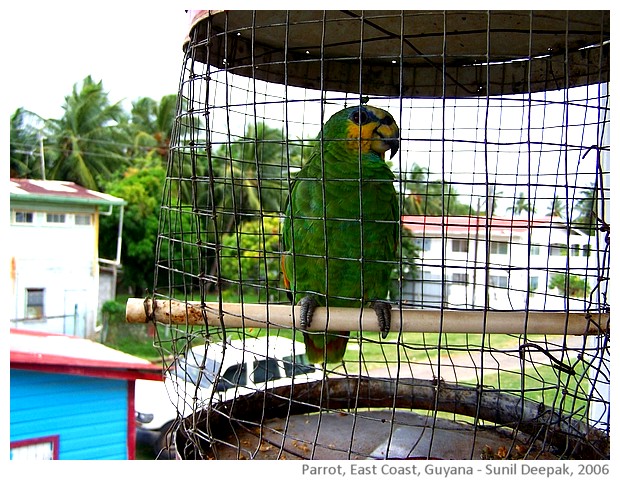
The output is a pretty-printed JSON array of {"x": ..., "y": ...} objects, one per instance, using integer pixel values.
[{"x": 371, "y": 129}]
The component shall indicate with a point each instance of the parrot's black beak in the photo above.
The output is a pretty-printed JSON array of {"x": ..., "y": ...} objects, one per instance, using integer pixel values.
[
  {"x": 394, "y": 145},
  {"x": 390, "y": 137}
]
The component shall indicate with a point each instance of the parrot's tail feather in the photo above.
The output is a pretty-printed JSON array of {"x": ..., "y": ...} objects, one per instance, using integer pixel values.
[{"x": 326, "y": 348}]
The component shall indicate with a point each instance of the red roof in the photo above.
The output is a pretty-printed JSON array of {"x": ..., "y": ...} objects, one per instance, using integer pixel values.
[
  {"x": 454, "y": 225},
  {"x": 72, "y": 355},
  {"x": 54, "y": 190}
]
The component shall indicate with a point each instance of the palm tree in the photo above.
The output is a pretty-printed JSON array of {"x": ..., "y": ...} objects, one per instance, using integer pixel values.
[
  {"x": 588, "y": 210},
  {"x": 151, "y": 125},
  {"x": 26, "y": 145},
  {"x": 250, "y": 174},
  {"x": 556, "y": 209},
  {"x": 521, "y": 204},
  {"x": 88, "y": 144},
  {"x": 431, "y": 197},
  {"x": 243, "y": 179},
  {"x": 415, "y": 183},
  {"x": 262, "y": 158}
]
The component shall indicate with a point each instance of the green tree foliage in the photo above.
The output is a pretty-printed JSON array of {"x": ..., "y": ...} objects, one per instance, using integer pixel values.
[
  {"x": 251, "y": 173},
  {"x": 572, "y": 286},
  {"x": 236, "y": 182},
  {"x": 88, "y": 144},
  {"x": 184, "y": 249},
  {"x": 556, "y": 209},
  {"x": 587, "y": 211},
  {"x": 406, "y": 270},
  {"x": 250, "y": 256},
  {"x": 25, "y": 151},
  {"x": 431, "y": 197},
  {"x": 151, "y": 126},
  {"x": 520, "y": 205},
  {"x": 141, "y": 189}
]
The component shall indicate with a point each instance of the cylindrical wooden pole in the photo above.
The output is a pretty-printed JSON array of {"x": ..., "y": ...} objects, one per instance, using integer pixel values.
[{"x": 237, "y": 315}]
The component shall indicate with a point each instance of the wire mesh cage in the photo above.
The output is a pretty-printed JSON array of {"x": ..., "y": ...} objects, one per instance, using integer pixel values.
[{"x": 463, "y": 280}]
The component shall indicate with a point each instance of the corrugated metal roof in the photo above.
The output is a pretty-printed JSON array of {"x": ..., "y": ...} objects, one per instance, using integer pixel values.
[
  {"x": 58, "y": 192},
  {"x": 45, "y": 351}
]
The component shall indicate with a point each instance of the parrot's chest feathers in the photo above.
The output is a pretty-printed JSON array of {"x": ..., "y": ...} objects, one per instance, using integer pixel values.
[
  {"x": 343, "y": 199},
  {"x": 341, "y": 217}
]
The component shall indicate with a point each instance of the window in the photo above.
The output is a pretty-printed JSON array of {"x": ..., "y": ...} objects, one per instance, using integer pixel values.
[
  {"x": 499, "y": 248},
  {"x": 460, "y": 245},
  {"x": 24, "y": 217},
  {"x": 266, "y": 370},
  {"x": 533, "y": 284},
  {"x": 43, "y": 448},
  {"x": 423, "y": 244},
  {"x": 574, "y": 249},
  {"x": 498, "y": 281},
  {"x": 55, "y": 218},
  {"x": 34, "y": 302},
  {"x": 297, "y": 366},
  {"x": 557, "y": 250},
  {"x": 82, "y": 219},
  {"x": 534, "y": 249},
  {"x": 190, "y": 369},
  {"x": 459, "y": 278},
  {"x": 587, "y": 249},
  {"x": 235, "y": 375}
]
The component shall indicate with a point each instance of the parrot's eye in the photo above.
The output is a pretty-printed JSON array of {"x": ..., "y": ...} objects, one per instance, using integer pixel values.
[
  {"x": 387, "y": 121},
  {"x": 359, "y": 117}
]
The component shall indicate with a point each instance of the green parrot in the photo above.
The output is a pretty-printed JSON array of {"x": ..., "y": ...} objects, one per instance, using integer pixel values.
[{"x": 340, "y": 230}]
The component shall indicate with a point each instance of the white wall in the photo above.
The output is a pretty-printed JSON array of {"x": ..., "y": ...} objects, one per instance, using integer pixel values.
[
  {"x": 62, "y": 259},
  {"x": 515, "y": 269}
]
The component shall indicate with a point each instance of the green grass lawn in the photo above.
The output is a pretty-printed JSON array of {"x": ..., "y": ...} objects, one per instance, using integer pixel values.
[
  {"x": 547, "y": 385},
  {"x": 420, "y": 346}
]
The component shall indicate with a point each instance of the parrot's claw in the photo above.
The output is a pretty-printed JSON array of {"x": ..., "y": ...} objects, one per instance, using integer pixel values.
[
  {"x": 384, "y": 316},
  {"x": 307, "y": 304}
]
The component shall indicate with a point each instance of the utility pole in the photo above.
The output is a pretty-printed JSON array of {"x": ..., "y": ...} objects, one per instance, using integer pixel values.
[{"x": 42, "y": 155}]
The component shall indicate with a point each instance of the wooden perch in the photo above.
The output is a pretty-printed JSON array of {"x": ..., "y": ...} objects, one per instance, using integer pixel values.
[{"x": 237, "y": 315}]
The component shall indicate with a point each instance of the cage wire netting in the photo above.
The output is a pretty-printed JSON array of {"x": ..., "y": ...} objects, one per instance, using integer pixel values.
[{"x": 499, "y": 341}]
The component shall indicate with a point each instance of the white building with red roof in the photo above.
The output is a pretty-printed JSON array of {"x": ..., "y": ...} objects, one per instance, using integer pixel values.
[
  {"x": 54, "y": 255},
  {"x": 502, "y": 263}
]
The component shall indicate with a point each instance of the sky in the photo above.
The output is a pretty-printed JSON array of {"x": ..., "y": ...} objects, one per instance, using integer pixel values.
[{"x": 134, "y": 49}]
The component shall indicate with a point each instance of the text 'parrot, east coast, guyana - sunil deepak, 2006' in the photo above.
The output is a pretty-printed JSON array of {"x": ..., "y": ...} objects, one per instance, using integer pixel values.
[{"x": 340, "y": 230}]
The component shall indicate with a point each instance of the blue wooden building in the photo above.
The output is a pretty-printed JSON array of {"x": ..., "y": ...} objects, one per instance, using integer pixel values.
[{"x": 72, "y": 398}]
